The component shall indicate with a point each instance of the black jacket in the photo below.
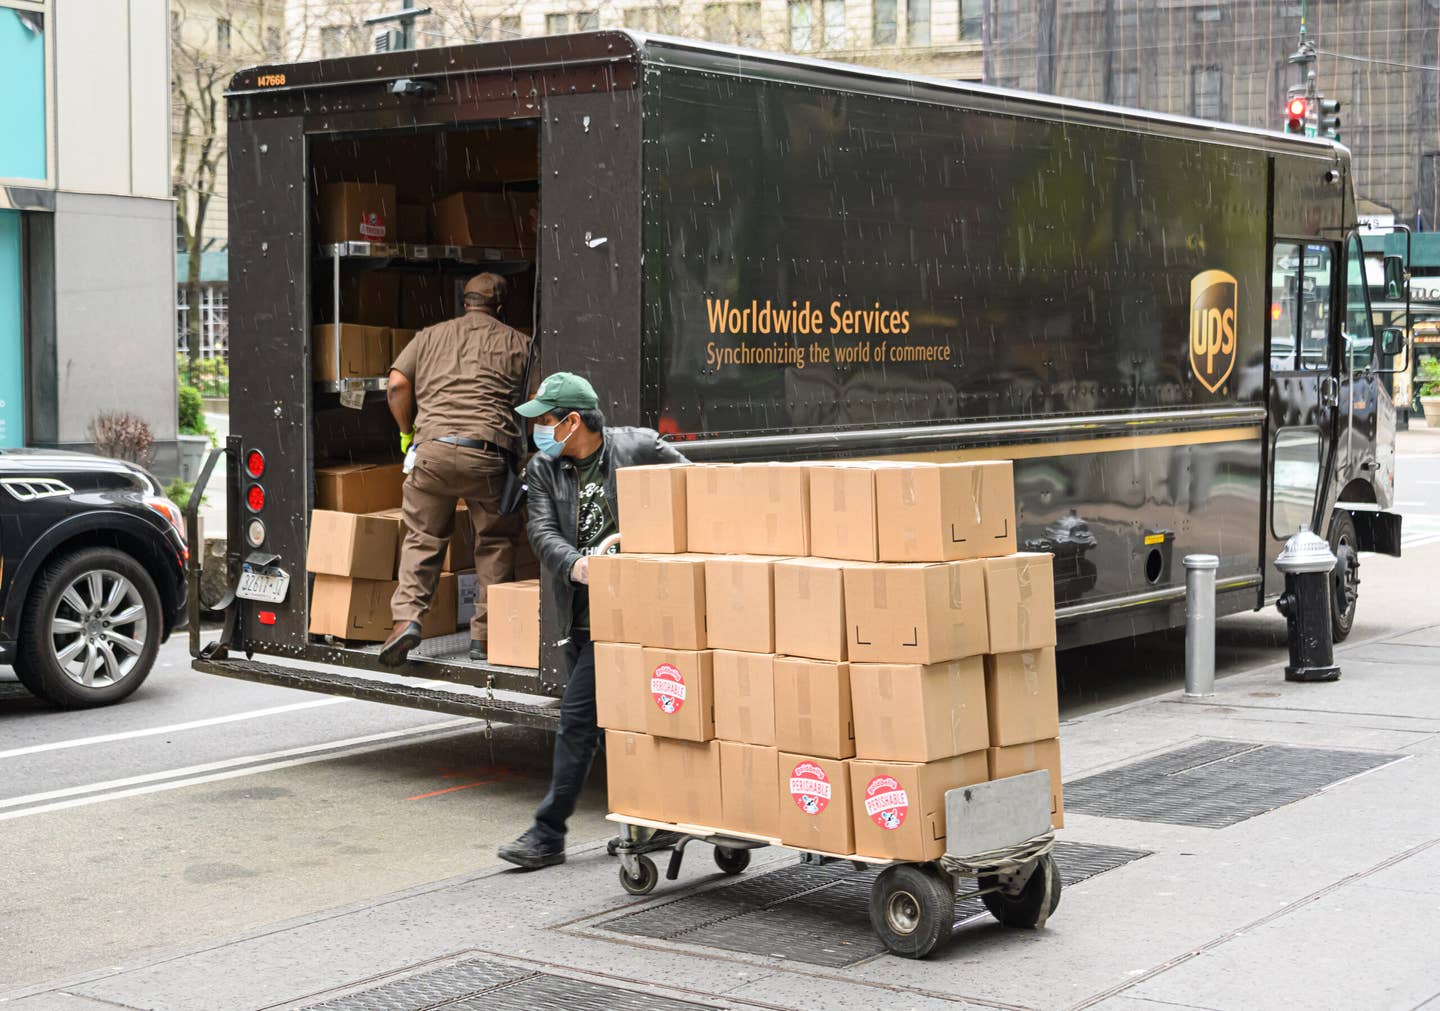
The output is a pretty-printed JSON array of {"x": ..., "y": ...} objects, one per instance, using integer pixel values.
[{"x": 552, "y": 496}]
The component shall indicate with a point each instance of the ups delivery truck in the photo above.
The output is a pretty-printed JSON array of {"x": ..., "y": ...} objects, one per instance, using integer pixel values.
[{"x": 1163, "y": 322}]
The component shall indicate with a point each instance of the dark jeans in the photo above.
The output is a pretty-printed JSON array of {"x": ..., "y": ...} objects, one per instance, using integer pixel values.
[{"x": 575, "y": 742}]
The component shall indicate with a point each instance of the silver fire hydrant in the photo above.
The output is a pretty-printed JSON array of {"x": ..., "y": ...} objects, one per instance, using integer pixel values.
[{"x": 1307, "y": 563}]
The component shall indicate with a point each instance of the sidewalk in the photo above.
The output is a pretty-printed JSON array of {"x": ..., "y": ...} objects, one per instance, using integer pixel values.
[{"x": 1275, "y": 847}]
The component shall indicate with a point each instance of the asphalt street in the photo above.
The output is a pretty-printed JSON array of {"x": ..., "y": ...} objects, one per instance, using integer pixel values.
[{"x": 203, "y": 806}]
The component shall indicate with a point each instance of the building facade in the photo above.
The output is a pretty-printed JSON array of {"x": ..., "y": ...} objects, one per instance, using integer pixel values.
[
  {"x": 1228, "y": 60},
  {"x": 87, "y": 261}
]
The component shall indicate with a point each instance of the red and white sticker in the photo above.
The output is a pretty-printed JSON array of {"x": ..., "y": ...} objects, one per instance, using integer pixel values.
[
  {"x": 372, "y": 225},
  {"x": 667, "y": 688},
  {"x": 809, "y": 787},
  {"x": 886, "y": 802}
]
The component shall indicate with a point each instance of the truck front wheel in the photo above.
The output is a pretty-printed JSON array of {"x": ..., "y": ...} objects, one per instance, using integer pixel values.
[{"x": 1345, "y": 581}]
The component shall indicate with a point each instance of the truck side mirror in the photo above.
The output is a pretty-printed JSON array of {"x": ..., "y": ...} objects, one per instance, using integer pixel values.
[
  {"x": 1392, "y": 339},
  {"x": 1394, "y": 278}
]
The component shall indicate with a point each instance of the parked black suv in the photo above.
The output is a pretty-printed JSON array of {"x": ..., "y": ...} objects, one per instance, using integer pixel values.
[{"x": 92, "y": 574}]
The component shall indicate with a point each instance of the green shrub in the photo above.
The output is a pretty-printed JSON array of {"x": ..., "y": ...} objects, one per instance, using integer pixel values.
[
  {"x": 178, "y": 491},
  {"x": 1428, "y": 376},
  {"x": 192, "y": 412}
]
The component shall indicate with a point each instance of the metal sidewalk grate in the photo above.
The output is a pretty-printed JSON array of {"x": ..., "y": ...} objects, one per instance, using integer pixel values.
[
  {"x": 818, "y": 915},
  {"x": 482, "y": 985},
  {"x": 1215, "y": 784}
]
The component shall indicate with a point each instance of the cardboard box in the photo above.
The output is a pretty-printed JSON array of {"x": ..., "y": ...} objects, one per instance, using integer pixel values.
[
  {"x": 937, "y": 512},
  {"x": 371, "y": 297},
  {"x": 400, "y": 339},
  {"x": 359, "y": 609},
  {"x": 715, "y": 509},
  {"x": 687, "y": 778},
  {"x": 654, "y": 600},
  {"x": 900, "y": 806},
  {"x": 425, "y": 299},
  {"x": 1022, "y": 700},
  {"x": 348, "y": 544},
  {"x": 812, "y": 707},
  {"x": 842, "y": 511},
  {"x": 364, "y": 351},
  {"x": 460, "y": 554},
  {"x": 810, "y": 608},
  {"x": 915, "y": 613},
  {"x": 505, "y": 154},
  {"x": 478, "y": 219},
  {"x": 750, "y": 789},
  {"x": 395, "y": 519},
  {"x": 814, "y": 796},
  {"x": 744, "y": 696},
  {"x": 357, "y": 212},
  {"x": 1018, "y": 758},
  {"x": 740, "y": 603},
  {"x": 443, "y": 618},
  {"x": 358, "y": 487},
  {"x": 632, "y": 775},
  {"x": 915, "y": 713},
  {"x": 1020, "y": 599},
  {"x": 513, "y": 623},
  {"x": 412, "y": 223},
  {"x": 622, "y": 687},
  {"x": 652, "y": 507},
  {"x": 777, "y": 519},
  {"x": 681, "y": 686}
]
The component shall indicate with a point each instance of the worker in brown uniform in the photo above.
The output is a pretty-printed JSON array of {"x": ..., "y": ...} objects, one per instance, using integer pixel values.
[{"x": 451, "y": 391}]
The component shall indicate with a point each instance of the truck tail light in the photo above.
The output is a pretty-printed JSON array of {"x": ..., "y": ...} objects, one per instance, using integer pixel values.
[
  {"x": 255, "y": 533},
  {"x": 255, "y": 498},
  {"x": 266, "y": 617},
  {"x": 255, "y": 464}
]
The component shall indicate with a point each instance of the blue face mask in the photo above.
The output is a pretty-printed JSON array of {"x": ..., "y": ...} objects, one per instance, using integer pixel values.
[{"x": 546, "y": 442}]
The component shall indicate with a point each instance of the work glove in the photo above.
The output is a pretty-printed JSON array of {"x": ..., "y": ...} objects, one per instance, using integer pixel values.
[{"x": 406, "y": 439}]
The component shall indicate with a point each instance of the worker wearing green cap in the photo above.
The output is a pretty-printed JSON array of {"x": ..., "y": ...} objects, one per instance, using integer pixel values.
[{"x": 570, "y": 491}]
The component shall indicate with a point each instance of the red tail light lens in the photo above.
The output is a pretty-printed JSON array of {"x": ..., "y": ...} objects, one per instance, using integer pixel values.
[
  {"x": 255, "y": 463},
  {"x": 255, "y": 498},
  {"x": 266, "y": 617}
]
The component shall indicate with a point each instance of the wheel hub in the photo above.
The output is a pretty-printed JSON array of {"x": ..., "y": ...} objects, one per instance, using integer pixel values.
[{"x": 902, "y": 912}]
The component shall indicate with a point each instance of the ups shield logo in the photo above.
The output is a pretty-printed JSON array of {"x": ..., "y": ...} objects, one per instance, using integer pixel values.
[{"x": 1212, "y": 327}]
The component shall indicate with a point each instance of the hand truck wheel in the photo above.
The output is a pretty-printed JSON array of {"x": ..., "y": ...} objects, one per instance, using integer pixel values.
[
  {"x": 1027, "y": 904},
  {"x": 912, "y": 908},
  {"x": 732, "y": 860},
  {"x": 645, "y": 878}
]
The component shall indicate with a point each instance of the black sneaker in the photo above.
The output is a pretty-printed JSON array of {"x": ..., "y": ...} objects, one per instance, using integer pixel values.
[
  {"x": 478, "y": 649},
  {"x": 532, "y": 852}
]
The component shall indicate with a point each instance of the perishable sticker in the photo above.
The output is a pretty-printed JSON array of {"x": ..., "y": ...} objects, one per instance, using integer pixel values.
[
  {"x": 886, "y": 802},
  {"x": 810, "y": 788},
  {"x": 667, "y": 688},
  {"x": 372, "y": 226}
]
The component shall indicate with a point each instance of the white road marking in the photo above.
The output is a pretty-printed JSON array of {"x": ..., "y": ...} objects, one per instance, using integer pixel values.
[{"x": 170, "y": 779}]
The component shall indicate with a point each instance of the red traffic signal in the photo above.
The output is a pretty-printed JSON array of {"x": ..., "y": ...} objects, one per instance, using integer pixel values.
[{"x": 1296, "y": 110}]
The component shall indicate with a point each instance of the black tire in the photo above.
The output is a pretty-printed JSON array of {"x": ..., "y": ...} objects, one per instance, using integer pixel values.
[
  {"x": 1029, "y": 908},
  {"x": 1345, "y": 581},
  {"x": 645, "y": 879},
  {"x": 732, "y": 860},
  {"x": 912, "y": 908},
  {"x": 38, "y": 664}
]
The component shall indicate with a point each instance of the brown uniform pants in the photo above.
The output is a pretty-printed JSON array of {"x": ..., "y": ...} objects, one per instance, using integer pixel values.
[{"x": 442, "y": 474}]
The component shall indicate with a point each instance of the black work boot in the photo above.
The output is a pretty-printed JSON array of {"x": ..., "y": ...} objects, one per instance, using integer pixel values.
[
  {"x": 532, "y": 852},
  {"x": 478, "y": 649},
  {"x": 403, "y": 639}
]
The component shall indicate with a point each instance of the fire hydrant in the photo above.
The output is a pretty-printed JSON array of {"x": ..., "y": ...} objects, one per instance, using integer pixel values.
[{"x": 1307, "y": 563}]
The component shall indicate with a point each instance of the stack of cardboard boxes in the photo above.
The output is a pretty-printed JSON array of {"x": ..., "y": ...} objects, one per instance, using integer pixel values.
[{"x": 813, "y": 654}]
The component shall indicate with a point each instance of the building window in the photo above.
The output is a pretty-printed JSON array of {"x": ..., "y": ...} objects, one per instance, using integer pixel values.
[
  {"x": 972, "y": 19},
  {"x": 885, "y": 26},
  {"x": 332, "y": 42},
  {"x": 272, "y": 41},
  {"x": 510, "y": 26},
  {"x": 833, "y": 11},
  {"x": 667, "y": 20},
  {"x": 587, "y": 21},
  {"x": 734, "y": 23},
  {"x": 1125, "y": 88},
  {"x": 636, "y": 18},
  {"x": 1206, "y": 93},
  {"x": 222, "y": 36},
  {"x": 557, "y": 24},
  {"x": 917, "y": 23},
  {"x": 802, "y": 25}
]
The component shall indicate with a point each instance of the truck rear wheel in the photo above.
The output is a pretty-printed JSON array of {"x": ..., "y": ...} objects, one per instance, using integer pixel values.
[{"x": 1345, "y": 581}]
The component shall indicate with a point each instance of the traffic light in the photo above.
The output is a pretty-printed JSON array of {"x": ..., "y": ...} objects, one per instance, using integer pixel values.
[
  {"x": 1297, "y": 110},
  {"x": 1330, "y": 118}
]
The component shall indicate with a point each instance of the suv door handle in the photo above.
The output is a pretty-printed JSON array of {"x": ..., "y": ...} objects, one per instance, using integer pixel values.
[{"x": 1329, "y": 391}]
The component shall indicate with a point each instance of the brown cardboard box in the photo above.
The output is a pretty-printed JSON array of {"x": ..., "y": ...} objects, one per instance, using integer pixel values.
[
  {"x": 395, "y": 519},
  {"x": 745, "y": 697},
  {"x": 364, "y": 351},
  {"x": 412, "y": 223},
  {"x": 460, "y": 555},
  {"x": 633, "y": 775},
  {"x": 443, "y": 618},
  {"x": 371, "y": 297},
  {"x": 1021, "y": 697},
  {"x": 687, "y": 778},
  {"x": 937, "y": 512},
  {"x": 400, "y": 339},
  {"x": 359, "y": 609},
  {"x": 1020, "y": 599},
  {"x": 348, "y": 544},
  {"x": 740, "y": 603},
  {"x": 915, "y": 613},
  {"x": 750, "y": 789},
  {"x": 842, "y": 511},
  {"x": 1018, "y": 758},
  {"x": 477, "y": 219},
  {"x": 655, "y": 600},
  {"x": 424, "y": 301},
  {"x": 914, "y": 713},
  {"x": 715, "y": 509},
  {"x": 812, "y": 707},
  {"x": 899, "y": 807},
  {"x": 652, "y": 502},
  {"x": 357, "y": 212},
  {"x": 777, "y": 519},
  {"x": 358, "y": 487},
  {"x": 810, "y": 608},
  {"x": 622, "y": 687},
  {"x": 681, "y": 687},
  {"x": 814, "y": 795},
  {"x": 514, "y": 623}
]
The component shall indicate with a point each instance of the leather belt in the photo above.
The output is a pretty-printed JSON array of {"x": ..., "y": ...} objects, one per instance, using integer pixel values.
[{"x": 464, "y": 443}]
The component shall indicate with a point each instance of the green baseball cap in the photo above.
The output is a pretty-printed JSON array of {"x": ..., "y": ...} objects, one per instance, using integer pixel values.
[{"x": 560, "y": 390}]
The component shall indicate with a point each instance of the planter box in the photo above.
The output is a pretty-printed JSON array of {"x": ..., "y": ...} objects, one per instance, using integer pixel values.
[
  {"x": 1432, "y": 411},
  {"x": 192, "y": 449}
]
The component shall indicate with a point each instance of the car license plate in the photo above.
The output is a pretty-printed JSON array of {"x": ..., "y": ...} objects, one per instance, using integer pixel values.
[{"x": 267, "y": 585}]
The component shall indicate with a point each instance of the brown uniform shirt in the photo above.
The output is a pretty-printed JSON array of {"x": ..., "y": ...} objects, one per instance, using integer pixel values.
[{"x": 466, "y": 373}]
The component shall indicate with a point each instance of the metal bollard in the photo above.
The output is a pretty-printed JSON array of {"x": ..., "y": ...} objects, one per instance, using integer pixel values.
[
  {"x": 1307, "y": 563},
  {"x": 1200, "y": 625}
]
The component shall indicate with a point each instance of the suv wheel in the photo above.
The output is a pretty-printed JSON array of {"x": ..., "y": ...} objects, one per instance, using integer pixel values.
[{"x": 90, "y": 630}]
